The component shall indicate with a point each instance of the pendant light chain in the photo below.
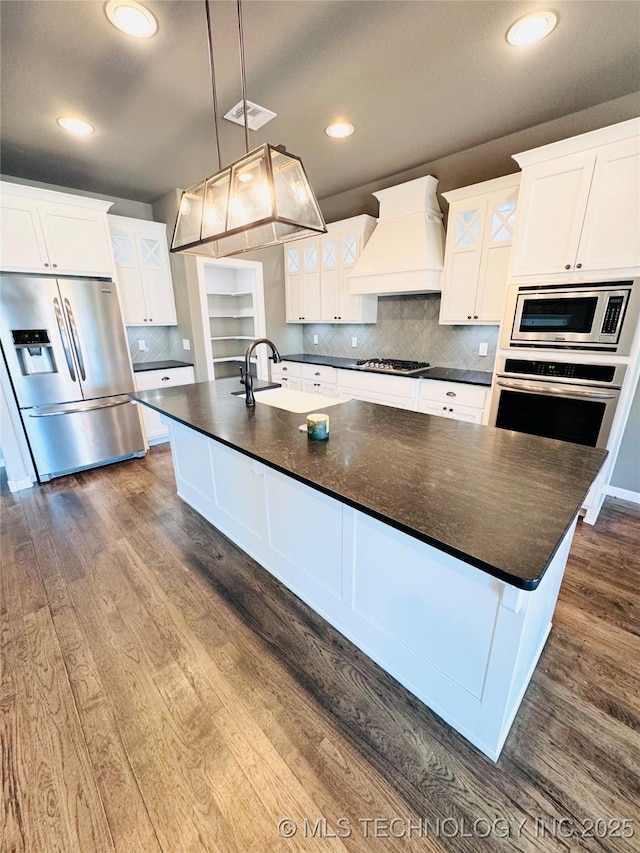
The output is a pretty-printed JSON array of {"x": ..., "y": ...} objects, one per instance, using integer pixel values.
[
  {"x": 243, "y": 77},
  {"x": 213, "y": 82}
]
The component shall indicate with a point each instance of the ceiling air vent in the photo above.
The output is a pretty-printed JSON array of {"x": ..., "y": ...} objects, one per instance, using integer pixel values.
[{"x": 256, "y": 116}]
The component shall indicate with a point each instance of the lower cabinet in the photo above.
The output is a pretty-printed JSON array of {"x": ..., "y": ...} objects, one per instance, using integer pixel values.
[
  {"x": 287, "y": 374},
  {"x": 396, "y": 391},
  {"x": 154, "y": 429},
  {"x": 457, "y": 400},
  {"x": 454, "y": 400},
  {"x": 319, "y": 379}
]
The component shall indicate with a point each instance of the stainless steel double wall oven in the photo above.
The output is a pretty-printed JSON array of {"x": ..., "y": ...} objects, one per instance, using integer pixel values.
[{"x": 543, "y": 386}]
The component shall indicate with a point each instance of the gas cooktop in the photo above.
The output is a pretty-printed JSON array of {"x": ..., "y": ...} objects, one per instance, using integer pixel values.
[{"x": 394, "y": 365}]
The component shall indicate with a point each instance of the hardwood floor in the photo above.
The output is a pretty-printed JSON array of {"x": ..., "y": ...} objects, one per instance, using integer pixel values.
[{"x": 162, "y": 692}]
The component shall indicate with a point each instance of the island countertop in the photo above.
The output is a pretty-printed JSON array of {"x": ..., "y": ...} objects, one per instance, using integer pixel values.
[{"x": 496, "y": 499}]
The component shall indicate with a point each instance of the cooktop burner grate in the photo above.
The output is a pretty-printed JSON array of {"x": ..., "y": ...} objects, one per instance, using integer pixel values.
[{"x": 394, "y": 365}]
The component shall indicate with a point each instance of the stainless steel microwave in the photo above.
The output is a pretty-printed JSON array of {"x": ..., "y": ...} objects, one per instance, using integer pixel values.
[{"x": 599, "y": 316}]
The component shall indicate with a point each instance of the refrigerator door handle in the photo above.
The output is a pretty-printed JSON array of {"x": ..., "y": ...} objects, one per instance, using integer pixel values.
[
  {"x": 76, "y": 339},
  {"x": 65, "y": 339},
  {"x": 119, "y": 402}
]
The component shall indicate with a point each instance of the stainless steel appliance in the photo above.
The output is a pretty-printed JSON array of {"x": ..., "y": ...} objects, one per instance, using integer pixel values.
[
  {"x": 66, "y": 352},
  {"x": 557, "y": 399},
  {"x": 592, "y": 317},
  {"x": 394, "y": 365}
]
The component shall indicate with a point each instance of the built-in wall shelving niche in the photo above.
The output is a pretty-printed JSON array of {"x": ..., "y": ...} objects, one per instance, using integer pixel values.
[{"x": 233, "y": 314}]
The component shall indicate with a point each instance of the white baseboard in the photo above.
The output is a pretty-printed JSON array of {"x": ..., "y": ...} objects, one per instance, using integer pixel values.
[
  {"x": 623, "y": 494},
  {"x": 18, "y": 485}
]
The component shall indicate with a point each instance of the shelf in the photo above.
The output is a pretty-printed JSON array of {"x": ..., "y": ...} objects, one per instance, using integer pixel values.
[
  {"x": 234, "y": 358},
  {"x": 230, "y": 316},
  {"x": 232, "y": 338},
  {"x": 239, "y": 293}
]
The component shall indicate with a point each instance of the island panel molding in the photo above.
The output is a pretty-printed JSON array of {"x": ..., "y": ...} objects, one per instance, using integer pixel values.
[{"x": 447, "y": 631}]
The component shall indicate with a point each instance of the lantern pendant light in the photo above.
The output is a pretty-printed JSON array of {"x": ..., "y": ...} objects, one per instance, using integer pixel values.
[{"x": 262, "y": 199}]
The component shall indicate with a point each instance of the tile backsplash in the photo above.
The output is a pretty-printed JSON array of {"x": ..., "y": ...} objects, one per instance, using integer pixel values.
[
  {"x": 407, "y": 328},
  {"x": 157, "y": 341}
]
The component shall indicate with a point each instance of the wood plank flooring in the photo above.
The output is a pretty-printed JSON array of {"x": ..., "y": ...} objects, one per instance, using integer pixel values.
[{"x": 162, "y": 692}]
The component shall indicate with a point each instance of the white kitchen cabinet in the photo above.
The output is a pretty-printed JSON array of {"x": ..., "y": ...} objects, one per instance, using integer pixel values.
[
  {"x": 340, "y": 249},
  {"x": 51, "y": 232},
  {"x": 302, "y": 281},
  {"x": 396, "y": 391},
  {"x": 145, "y": 380},
  {"x": 317, "y": 275},
  {"x": 319, "y": 379},
  {"x": 476, "y": 263},
  {"x": 457, "y": 400},
  {"x": 141, "y": 257},
  {"x": 287, "y": 374},
  {"x": 579, "y": 208}
]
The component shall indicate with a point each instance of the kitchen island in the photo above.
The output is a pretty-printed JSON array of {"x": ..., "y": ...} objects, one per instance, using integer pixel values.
[{"x": 436, "y": 546}]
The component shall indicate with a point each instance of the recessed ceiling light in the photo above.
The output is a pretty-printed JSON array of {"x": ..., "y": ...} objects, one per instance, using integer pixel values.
[
  {"x": 339, "y": 130},
  {"x": 76, "y": 125},
  {"x": 531, "y": 28},
  {"x": 132, "y": 18}
]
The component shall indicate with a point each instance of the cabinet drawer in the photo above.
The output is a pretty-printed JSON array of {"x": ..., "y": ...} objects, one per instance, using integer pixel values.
[
  {"x": 471, "y": 414},
  {"x": 145, "y": 380},
  {"x": 452, "y": 393},
  {"x": 285, "y": 368},
  {"x": 318, "y": 373},
  {"x": 383, "y": 384}
]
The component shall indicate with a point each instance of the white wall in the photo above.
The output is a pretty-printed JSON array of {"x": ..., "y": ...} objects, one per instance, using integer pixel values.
[{"x": 626, "y": 474}]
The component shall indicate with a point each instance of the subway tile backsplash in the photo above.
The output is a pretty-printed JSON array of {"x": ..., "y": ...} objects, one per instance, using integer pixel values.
[{"x": 407, "y": 328}]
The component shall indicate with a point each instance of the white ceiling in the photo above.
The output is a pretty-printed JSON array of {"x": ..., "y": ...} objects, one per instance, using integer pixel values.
[{"x": 419, "y": 80}]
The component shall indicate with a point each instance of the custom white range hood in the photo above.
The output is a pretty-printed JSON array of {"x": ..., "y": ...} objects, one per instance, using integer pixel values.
[{"x": 405, "y": 252}]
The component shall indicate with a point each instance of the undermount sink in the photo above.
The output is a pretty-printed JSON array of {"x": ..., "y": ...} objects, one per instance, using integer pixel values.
[{"x": 293, "y": 401}]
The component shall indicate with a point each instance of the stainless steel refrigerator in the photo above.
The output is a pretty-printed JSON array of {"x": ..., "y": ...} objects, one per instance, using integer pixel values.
[{"x": 65, "y": 348}]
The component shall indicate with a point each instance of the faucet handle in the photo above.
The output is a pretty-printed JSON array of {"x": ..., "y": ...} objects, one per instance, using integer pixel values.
[{"x": 242, "y": 382}]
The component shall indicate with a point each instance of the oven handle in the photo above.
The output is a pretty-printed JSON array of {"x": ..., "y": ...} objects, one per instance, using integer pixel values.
[{"x": 550, "y": 390}]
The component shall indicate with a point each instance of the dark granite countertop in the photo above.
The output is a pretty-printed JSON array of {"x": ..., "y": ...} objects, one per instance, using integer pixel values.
[
  {"x": 448, "y": 374},
  {"x": 497, "y": 499},
  {"x": 140, "y": 366}
]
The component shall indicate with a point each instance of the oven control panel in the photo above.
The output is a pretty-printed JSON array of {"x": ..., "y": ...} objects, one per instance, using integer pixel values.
[{"x": 560, "y": 370}]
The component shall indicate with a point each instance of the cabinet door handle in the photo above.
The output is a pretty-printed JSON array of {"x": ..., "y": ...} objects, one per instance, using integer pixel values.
[
  {"x": 285, "y": 368},
  {"x": 475, "y": 316},
  {"x": 444, "y": 408},
  {"x": 317, "y": 373},
  {"x": 567, "y": 266},
  {"x": 165, "y": 378},
  {"x": 451, "y": 393},
  {"x": 468, "y": 316},
  {"x": 55, "y": 266},
  {"x": 46, "y": 265},
  {"x": 578, "y": 266}
]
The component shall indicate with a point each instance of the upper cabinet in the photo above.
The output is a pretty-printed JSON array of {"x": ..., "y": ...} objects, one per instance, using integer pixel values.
[
  {"x": 302, "y": 280},
  {"x": 141, "y": 258},
  {"x": 476, "y": 260},
  {"x": 317, "y": 275},
  {"x": 52, "y": 232},
  {"x": 579, "y": 207}
]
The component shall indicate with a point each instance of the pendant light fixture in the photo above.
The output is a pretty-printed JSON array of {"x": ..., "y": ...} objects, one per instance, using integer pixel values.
[{"x": 262, "y": 199}]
